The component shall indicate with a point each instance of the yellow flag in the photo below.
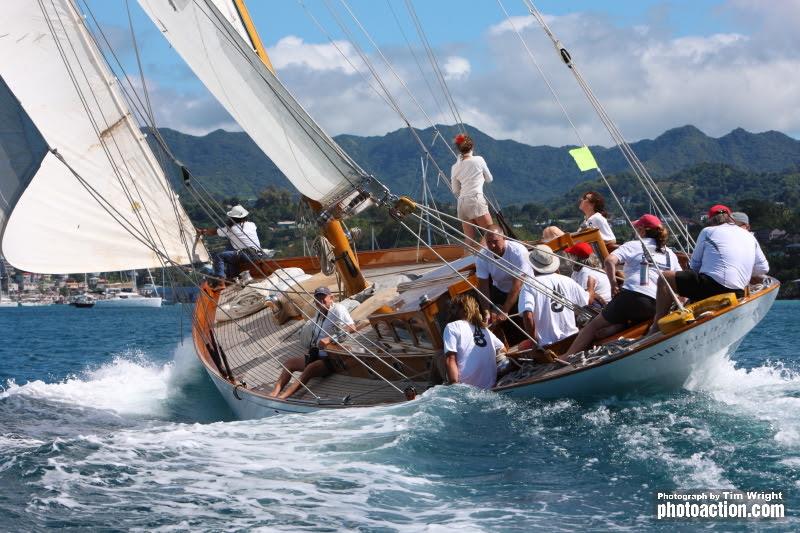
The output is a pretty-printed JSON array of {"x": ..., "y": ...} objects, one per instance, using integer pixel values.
[{"x": 583, "y": 158}]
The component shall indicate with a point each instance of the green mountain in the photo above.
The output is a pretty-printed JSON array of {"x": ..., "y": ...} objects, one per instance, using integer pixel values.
[{"x": 230, "y": 164}]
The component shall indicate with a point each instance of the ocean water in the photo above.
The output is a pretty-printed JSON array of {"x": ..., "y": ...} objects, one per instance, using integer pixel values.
[{"x": 107, "y": 422}]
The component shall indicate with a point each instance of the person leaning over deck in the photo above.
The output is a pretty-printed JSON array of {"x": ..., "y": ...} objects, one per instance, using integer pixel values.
[
  {"x": 725, "y": 259},
  {"x": 467, "y": 177},
  {"x": 330, "y": 319},
  {"x": 636, "y": 301},
  {"x": 470, "y": 349},
  {"x": 594, "y": 282},
  {"x": 593, "y": 206},
  {"x": 545, "y": 318},
  {"x": 492, "y": 267},
  {"x": 244, "y": 244}
]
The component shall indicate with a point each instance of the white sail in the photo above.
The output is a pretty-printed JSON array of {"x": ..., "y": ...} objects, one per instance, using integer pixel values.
[
  {"x": 228, "y": 66},
  {"x": 50, "y": 63}
]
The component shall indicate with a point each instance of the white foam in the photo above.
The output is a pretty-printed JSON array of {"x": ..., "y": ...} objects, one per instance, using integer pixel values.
[
  {"x": 769, "y": 392},
  {"x": 130, "y": 384}
]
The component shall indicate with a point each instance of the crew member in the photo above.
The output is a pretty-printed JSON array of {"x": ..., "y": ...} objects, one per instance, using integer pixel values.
[
  {"x": 725, "y": 259},
  {"x": 499, "y": 268},
  {"x": 331, "y": 318},
  {"x": 547, "y": 319},
  {"x": 243, "y": 242}
]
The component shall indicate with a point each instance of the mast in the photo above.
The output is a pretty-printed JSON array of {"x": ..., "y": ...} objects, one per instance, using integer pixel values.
[{"x": 346, "y": 260}]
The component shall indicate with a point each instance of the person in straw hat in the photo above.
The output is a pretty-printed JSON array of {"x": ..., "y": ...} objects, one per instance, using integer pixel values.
[
  {"x": 243, "y": 242},
  {"x": 546, "y": 319}
]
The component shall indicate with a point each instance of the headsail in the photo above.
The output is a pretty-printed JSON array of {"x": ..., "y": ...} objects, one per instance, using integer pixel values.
[
  {"x": 225, "y": 61},
  {"x": 108, "y": 203}
]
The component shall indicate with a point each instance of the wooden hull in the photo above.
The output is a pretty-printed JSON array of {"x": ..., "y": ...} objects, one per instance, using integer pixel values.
[{"x": 661, "y": 363}]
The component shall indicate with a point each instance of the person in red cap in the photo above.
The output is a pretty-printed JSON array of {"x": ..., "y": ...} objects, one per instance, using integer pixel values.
[
  {"x": 725, "y": 259},
  {"x": 585, "y": 272},
  {"x": 636, "y": 301},
  {"x": 467, "y": 177}
]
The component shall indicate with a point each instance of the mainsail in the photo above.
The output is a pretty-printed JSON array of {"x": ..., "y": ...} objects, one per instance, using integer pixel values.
[
  {"x": 211, "y": 39},
  {"x": 86, "y": 192}
]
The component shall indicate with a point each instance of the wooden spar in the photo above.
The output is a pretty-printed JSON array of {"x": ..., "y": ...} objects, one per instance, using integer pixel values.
[
  {"x": 250, "y": 28},
  {"x": 346, "y": 260}
]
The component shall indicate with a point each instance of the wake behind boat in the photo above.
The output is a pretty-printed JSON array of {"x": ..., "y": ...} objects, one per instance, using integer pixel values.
[{"x": 246, "y": 330}]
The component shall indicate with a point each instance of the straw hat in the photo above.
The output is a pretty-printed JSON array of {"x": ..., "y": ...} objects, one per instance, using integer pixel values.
[{"x": 543, "y": 260}]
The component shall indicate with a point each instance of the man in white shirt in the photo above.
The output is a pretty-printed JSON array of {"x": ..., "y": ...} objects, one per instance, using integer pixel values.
[
  {"x": 499, "y": 268},
  {"x": 244, "y": 244},
  {"x": 548, "y": 319},
  {"x": 330, "y": 320},
  {"x": 725, "y": 259}
]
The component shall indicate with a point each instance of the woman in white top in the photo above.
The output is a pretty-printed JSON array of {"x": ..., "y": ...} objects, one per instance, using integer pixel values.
[
  {"x": 467, "y": 177},
  {"x": 593, "y": 206},
  {"x": 636, "y": 301},
  {"x": 470, "y": 349}
]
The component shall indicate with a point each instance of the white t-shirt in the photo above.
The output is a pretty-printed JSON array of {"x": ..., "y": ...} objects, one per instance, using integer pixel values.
[
  {"x": 475, "y": 350},
  {"x": 553, "y": 321},
  {"x": 728, "y": 254},
  {"x": 602, "y": 287},
  {"x": 330, "y": 325},
  {"x": 515, "y": 258},
  {"x": 630, "y": 255},
  {"x": 599, "y": 221},
  {"x": 467, "y": 176},
  {"x": 241, "y": 236}
]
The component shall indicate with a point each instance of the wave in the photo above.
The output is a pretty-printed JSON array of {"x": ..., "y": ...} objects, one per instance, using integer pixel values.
[{"x": 131, "y": 384}]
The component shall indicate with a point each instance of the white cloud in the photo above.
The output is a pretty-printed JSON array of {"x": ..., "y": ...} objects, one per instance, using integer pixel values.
[
  {"x": 456, "y": 68},
  {"x": 293, "y": 51},
  {"x": 647, "y": 80}
]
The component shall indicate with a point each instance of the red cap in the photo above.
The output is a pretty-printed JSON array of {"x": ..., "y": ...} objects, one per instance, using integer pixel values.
[
  {"x": 717, "y": 209},
  {"x": 581, "y": 250},
  {"x": 647, "y": 221}
]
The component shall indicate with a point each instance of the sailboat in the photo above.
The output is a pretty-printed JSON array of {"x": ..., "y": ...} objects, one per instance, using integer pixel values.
[
  {"x": 5, "y": 299},
  {"x": 244, "y": 332},
  {"x": 147, "y": 298}
]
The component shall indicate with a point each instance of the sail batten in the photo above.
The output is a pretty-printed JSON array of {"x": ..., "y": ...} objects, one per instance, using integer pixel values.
[
  {"x": 99, "y": 200},
  {"x": 211, "y": 38}
]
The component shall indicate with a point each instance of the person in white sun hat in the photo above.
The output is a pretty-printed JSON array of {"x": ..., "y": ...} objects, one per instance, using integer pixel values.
[
  {"x": 242, "y": 236},
  {"x": 546, "y": 319}
]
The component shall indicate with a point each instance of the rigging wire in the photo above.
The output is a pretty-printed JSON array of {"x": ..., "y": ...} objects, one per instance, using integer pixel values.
[{"x": 567, "y": 59}]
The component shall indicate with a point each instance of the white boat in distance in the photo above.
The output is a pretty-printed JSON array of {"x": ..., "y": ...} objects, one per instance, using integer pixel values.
[{"x": 129, "y": 299}]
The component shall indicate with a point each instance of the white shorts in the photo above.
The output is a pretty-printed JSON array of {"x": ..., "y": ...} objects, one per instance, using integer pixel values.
[{"x": 472, "y": 207}]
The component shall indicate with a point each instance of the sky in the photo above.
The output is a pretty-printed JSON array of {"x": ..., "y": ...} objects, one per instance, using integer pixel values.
[{"x": 653, "y": 65}]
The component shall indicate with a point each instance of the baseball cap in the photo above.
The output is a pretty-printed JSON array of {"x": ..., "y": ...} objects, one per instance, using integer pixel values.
[
  {"x": 718, "y": 209},
  {"x": 581, "y": 250},
  {"x": 321, "y": 291},
  {"x": 647, "y": 221},
  {"x": 740, "y": 218}
]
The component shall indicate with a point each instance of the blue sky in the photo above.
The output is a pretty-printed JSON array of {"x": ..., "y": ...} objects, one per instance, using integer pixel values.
[{"x": 718, "y": 64}]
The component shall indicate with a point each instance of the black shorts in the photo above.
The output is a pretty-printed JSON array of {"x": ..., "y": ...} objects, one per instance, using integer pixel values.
[
  {"x": 498, "y": 298},
  {"x": 629, "y": 308},
  {"x": 698, "y": 287},
  {"x": 313, "y": 355}
]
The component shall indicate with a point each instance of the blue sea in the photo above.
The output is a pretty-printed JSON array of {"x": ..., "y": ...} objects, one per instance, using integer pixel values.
[{"x": 108, "y": 422}]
